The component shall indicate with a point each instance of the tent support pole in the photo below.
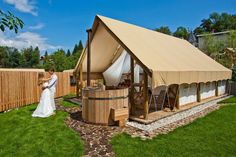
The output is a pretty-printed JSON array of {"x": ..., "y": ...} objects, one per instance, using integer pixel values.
[
  {"x": 198, "y": 92},
  {"x": 227, "y": 87},
  {"x": 81, "y": 80},
  {"x": 133, "y": 107},
  {"x": 145, "y": 90},
  {"x": 216, "y": 89},
  {"x": 89, "y": 31},
  {"x": 77, "y": 84},
  {"x": 177, "y": 97}
]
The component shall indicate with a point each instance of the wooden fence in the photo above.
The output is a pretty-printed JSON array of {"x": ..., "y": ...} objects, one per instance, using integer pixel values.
[
  {"x": 19, "y": 88},
  {"x": 233, "y": 88}
]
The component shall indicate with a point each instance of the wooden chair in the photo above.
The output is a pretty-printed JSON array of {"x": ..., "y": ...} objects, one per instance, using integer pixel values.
[{"x": 158, "y": 96}]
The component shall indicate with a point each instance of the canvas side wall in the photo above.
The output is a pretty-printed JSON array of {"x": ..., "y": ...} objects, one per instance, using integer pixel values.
[
  {"x": 207, "y": 90},
  {"x": 187, "y": 94},
  {"x": 221, "y": 87}
]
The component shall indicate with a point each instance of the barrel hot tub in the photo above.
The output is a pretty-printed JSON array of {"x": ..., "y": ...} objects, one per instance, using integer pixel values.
[{"x": 97, "y": 104}]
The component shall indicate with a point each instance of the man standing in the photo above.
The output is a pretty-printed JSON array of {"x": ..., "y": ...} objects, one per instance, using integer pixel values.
[{"x": 52, "y": 86}]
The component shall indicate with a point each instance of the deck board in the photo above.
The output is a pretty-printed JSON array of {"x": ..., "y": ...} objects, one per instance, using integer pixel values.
[{"x": 157, "y": 115}]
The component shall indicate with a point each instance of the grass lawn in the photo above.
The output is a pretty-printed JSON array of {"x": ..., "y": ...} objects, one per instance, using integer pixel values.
[
  {"x": 211, "y": 136},
  {"x": 23, "y": 136},
  {"x": 68, "y": 104},
  {"x": 229, "y": 100}
]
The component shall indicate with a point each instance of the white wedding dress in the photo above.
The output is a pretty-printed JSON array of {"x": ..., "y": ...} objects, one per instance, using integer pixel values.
[{"x": 44, "y": 108}]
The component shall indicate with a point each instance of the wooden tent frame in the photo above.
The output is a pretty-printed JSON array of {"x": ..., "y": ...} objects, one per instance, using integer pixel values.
[{"x": 147, "y": 72}]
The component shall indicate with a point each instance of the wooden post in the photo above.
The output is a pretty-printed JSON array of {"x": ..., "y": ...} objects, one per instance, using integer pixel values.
[
  {"x": 177, "y": 97},
  {"x": 81, "y": 79},
  {"x": 77, "y": 86},
  {"x": 145, "y": 90},
  {"x": 133, "y": 107},
  {"x": 88, "y": 57},
  {"x": 227, "y": 88},
  {"x": 216, "y": 89},
  {"x": 198, "y": 92}
]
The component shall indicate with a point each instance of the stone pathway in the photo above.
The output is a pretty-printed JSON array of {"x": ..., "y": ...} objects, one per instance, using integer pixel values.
[{"x": 96, "y": 137}]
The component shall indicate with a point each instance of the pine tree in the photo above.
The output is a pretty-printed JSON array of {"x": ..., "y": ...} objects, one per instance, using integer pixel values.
[
  {"x": 46, "y": 54},
  {"x": 80, "y": 47},
  {"x": 75, "y": 49},
  {"x": 68, "y": 53}
]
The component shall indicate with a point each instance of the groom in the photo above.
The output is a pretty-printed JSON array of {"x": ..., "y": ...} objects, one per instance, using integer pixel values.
[{"x": 52, "y": 86}]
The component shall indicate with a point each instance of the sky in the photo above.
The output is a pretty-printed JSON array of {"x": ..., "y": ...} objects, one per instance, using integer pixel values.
[{"x": 54, "y": 24}]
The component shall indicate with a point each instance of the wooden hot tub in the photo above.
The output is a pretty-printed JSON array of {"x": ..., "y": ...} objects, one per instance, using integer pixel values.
[{"x": 97, "y": 105}]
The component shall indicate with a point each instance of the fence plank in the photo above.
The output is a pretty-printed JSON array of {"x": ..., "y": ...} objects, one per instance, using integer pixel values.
[{"x": 19, "y": 88}]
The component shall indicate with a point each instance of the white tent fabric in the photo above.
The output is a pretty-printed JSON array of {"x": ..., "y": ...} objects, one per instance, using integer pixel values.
[
  {"x": 187, "y": 94},
  {"x": 114, "y": 73},
  {"x": 221, "y": 87},
  {"x": 207, "y": 90}
]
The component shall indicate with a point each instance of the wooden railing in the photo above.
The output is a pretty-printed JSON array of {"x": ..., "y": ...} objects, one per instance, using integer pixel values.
[{"x": 19, "y": 88}]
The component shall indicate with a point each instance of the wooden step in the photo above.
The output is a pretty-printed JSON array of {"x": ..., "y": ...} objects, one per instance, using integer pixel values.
[{"x": 120, "y": 115}]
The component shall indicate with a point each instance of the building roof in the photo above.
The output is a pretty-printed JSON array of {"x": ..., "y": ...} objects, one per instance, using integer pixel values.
[
  {"x": 217, "y": 33},
  {"x": 168, "y": 60}
]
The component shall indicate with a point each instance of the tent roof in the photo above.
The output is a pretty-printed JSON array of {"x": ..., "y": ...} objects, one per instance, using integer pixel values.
[{"x": 169, "y": 59}]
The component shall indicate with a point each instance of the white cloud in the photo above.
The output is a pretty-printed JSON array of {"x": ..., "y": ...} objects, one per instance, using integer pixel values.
[
  {"x": 26, "y": 6},
  {"x": 36, "y": 27},
  {"x": 26, "y": 39}
]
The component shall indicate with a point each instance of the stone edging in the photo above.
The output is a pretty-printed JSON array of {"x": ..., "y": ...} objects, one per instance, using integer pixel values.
[{"x": 173, "y": 118}]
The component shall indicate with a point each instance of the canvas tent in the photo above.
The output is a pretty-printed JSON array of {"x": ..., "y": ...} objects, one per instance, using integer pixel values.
[
  {"x": 167, "y": 59},
  {"x": 117, "y": 47}
]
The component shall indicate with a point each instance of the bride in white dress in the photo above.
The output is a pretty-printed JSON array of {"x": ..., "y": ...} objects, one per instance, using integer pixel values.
[{"x": 44, "y": 108}]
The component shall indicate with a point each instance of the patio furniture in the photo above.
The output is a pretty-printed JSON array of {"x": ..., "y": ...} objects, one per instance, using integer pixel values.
[{"x": 158, "y": 96}]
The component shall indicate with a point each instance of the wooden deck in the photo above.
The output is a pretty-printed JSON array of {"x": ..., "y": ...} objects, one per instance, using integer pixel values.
[{"x": 156, "y": 115}]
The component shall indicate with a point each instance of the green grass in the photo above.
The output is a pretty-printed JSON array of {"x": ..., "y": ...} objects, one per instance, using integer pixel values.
[
  {"x": 24, "y": 136},
  {"x": 69, "y": 96},
  {"x": 68, "y": 104},
  {"x": 211, "y": 136},
  {"x": 229, "y": 100}
]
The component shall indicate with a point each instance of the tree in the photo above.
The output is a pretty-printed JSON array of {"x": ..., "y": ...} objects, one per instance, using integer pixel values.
[
  {"x": 35, "y": 57},
  {"x": 31, "y": 57},
  {"x": 217, "y": 23},
  {"x": 80, "y": 46},
  {"x": 75, "y": 49},
  {"x": 68, "y": 53},
  {"x": 4, "y": 57},
  {"x": 164, "y": 29},
  {"x": 14, "y": 58},
  {"x": 213, "y": 47},
  {"x": 46, "y": 54},
  {"x": 8, "y": 20},
  {"x": 181, "y": 32}
]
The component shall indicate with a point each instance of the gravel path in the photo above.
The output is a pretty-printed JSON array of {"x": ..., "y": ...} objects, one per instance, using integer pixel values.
[{"x": 170, "y": 123}]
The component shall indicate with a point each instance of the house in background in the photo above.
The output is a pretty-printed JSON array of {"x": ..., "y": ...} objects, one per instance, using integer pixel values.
[
  {"x": 201, "y": 39},
  {"x": 192, "y": 39}
]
